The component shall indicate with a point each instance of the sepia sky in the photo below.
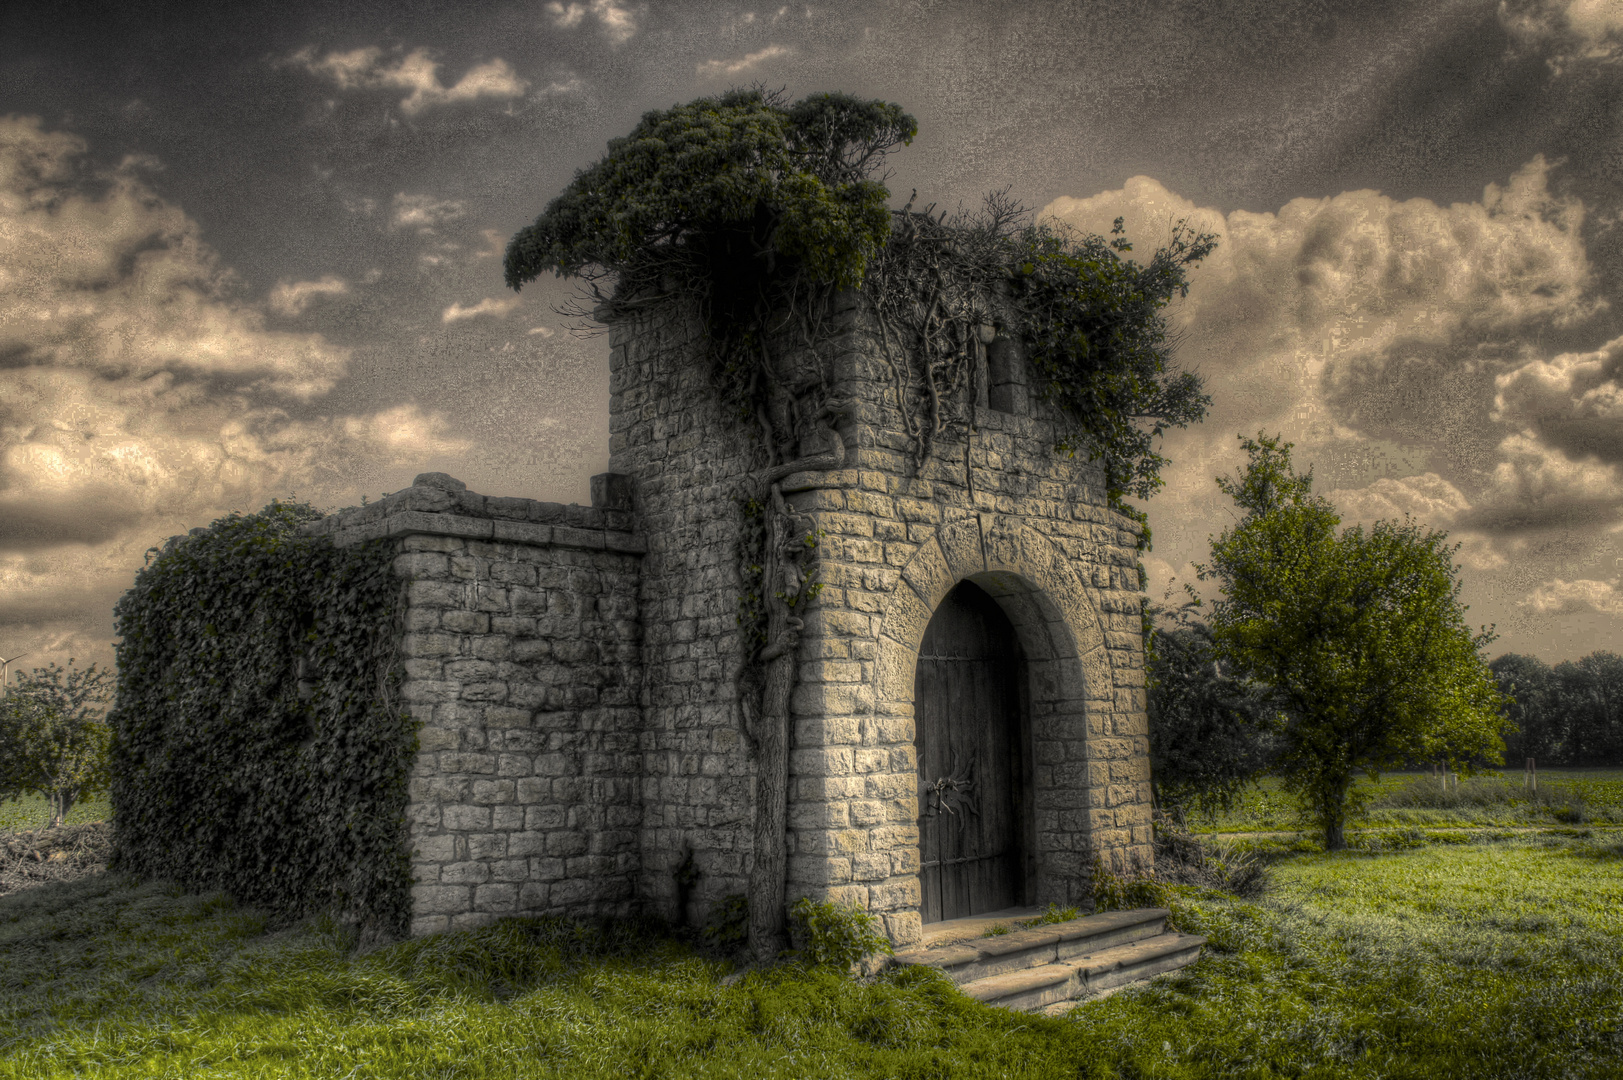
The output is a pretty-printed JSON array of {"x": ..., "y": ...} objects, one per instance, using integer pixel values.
[{"x": 255, "y": 251}]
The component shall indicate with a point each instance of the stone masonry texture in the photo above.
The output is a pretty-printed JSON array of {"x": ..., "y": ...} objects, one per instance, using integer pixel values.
[{"x": 575, "y": 668}]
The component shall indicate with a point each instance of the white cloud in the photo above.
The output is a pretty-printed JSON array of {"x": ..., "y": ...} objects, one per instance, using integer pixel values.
[
  {"x": 617, "y": 22},
  {"x": 1428, "y": 498},
  {"x": 367, "y": 68},
  {"x": 1298, "y": 310},
  {"x": 1533, "y": 474},
  {"x": 544, "y": 331},
  {"x": 1567, "y": 31},
  {"x": 1573, "y": 401},
  {"x": 120, "y": 283},
  {"x": 140, "y": 400},
  {"x": 424, "y": 212},
  {"x": 1560, "y": 597},
  {"x": 488, "y": 306},
  {"x": 291, "y": 298},
  {"x": 712, "y": 68}
]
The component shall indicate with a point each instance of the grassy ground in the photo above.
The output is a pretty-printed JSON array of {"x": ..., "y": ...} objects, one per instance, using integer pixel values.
[
  {"x": 32, "y": 812},
  {"x": 1448, "y": 955},
  {"x": 1402, "y": 800}
]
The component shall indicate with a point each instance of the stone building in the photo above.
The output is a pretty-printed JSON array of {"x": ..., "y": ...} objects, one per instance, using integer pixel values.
[{"x": 968, "y": 726}]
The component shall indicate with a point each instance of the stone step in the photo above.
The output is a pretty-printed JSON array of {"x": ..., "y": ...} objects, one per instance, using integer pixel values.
[
  {"x": 957, "y": 948},
  {"x": 1053, "y": 988}
]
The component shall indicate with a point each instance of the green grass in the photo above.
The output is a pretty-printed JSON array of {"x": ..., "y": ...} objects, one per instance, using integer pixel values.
[
  {"x": 1565, "y": 796},
  {"x": 33, "y": 812},
  {"x": 1493, "y": 958}
]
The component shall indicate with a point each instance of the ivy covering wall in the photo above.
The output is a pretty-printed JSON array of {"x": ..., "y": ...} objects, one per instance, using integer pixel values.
[{"x": 259, "y": 745}]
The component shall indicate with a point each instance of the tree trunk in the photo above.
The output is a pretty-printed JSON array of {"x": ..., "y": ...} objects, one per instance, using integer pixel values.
[
  {"x": 780, "y": 655},
  {"x": 1333, "y": 813},
  {"x": 60, "y": 802}
]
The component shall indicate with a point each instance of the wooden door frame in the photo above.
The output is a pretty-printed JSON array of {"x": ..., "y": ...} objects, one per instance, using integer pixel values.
[
  {"x": 1072, "y": 705},
  {"x": 1020, "y": 763}
]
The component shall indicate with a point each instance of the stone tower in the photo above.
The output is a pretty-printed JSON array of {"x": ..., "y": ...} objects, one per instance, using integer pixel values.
[{"x": 1047, "y": 726}]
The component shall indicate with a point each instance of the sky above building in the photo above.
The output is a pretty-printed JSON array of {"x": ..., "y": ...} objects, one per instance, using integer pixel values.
[{"x": 254, "y": 252}]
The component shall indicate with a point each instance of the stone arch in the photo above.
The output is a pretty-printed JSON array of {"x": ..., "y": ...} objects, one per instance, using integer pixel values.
[{"x": 1067, "y": 662}]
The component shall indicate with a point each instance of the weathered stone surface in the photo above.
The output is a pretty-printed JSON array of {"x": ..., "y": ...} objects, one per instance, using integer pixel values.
[{"x": 575, "y": 667}]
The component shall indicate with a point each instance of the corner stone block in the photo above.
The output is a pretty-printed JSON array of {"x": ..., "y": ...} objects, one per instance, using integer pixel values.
[
  {"x": 927, "y": 571},
  {"x": 821, "y": 761},
  {"x": 439, "y": 899},
  {"x": 814, "y": 870},
  {"x": 898, "y": 892},
  {"x": 898, "y": 665},
  {"x": 831, "y": 699},
  {"x": 904, "y": 927},
  {"x": 423, "y": 925}
]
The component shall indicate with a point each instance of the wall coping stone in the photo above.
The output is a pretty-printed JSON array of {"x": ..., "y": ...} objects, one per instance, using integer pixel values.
[{"x": 440, "y": 505}]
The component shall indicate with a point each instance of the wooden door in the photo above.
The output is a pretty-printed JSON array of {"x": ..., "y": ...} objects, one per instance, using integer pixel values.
[{"x": 966, "y": 709}]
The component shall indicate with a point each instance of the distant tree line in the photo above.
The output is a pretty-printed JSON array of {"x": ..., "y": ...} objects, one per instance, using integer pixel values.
[{"x": 1569, "y": 714}]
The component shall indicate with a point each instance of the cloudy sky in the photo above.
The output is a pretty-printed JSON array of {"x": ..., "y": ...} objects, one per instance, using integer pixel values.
[{"x": 253, "y": 251}]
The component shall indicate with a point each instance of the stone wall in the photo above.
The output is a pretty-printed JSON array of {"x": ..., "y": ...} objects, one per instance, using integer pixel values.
[
  {"x": 1031, "y": 527},
  {"x": 685, "y": 455},
  {"x": 1005, "y": 510},
  {"x": 521, "y": 657},
  {"x": 576, "y": 668}
]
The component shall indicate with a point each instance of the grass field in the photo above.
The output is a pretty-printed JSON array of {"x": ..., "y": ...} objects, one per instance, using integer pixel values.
[
  {"x": 32, "y": 812},
  {"x": 1398, "y": 800},
  {"x": 1478, "y": 957}
]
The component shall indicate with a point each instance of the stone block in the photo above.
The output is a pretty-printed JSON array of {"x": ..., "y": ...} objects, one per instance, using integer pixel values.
[
  {"x": 439, "y": 899},
  {"x": 816, "y": 870},
  {"x": 464, "y": 873},
  {"x": 501, "y": 899},
  {"x": 521, "y": 532},
  {"x": 433, "y": 850},
  {"x": 897, "y": 892},
  {"x": 413, "y": 521},
  {"x": 465, "y": 818}
]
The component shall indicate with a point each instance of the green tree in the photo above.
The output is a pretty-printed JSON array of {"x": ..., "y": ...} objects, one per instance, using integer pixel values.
[
  {"x": 1360, "y": 636},
  {"x": 54, "y": 737},
  {"x": 1210, "y": 729},
  {"x": 1529, "y": 687},
  {"x": 1589, "y": 694},
  {"x": 1100, "y": 347}
]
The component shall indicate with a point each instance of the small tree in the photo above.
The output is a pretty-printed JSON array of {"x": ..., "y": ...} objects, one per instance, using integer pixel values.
[
  {"x": 54, "y": 738},
  {"x": 1361, "y": 636},
  {"x": 1210, "y": 729}
]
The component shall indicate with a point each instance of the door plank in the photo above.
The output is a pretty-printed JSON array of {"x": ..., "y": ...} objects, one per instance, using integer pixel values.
[{"x": 967, "y": 719}]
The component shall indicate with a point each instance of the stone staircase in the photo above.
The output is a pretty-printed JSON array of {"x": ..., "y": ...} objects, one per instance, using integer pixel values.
[{"x": 1052, "y": 969}]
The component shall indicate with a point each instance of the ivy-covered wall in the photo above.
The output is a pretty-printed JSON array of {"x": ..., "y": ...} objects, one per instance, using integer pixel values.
[{"x": 260, "y": 744}]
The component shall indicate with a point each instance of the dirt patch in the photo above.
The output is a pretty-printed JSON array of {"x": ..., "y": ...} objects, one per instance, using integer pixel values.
[{"x": 62, "y": 854}]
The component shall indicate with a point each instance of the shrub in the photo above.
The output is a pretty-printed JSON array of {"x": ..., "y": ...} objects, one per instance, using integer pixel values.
[
  {"x": 1186, "y": 859},
  {"x": 833, "y": 935},
  {"x": 1115, "y": 892},
  {"x": 259, "y": 744}
]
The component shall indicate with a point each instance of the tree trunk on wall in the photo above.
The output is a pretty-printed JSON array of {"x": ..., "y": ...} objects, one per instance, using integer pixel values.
[{"x": 781, "y": 579}]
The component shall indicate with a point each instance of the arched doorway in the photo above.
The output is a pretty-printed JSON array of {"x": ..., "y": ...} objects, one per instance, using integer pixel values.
[{"x": 970, "y": 737}]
